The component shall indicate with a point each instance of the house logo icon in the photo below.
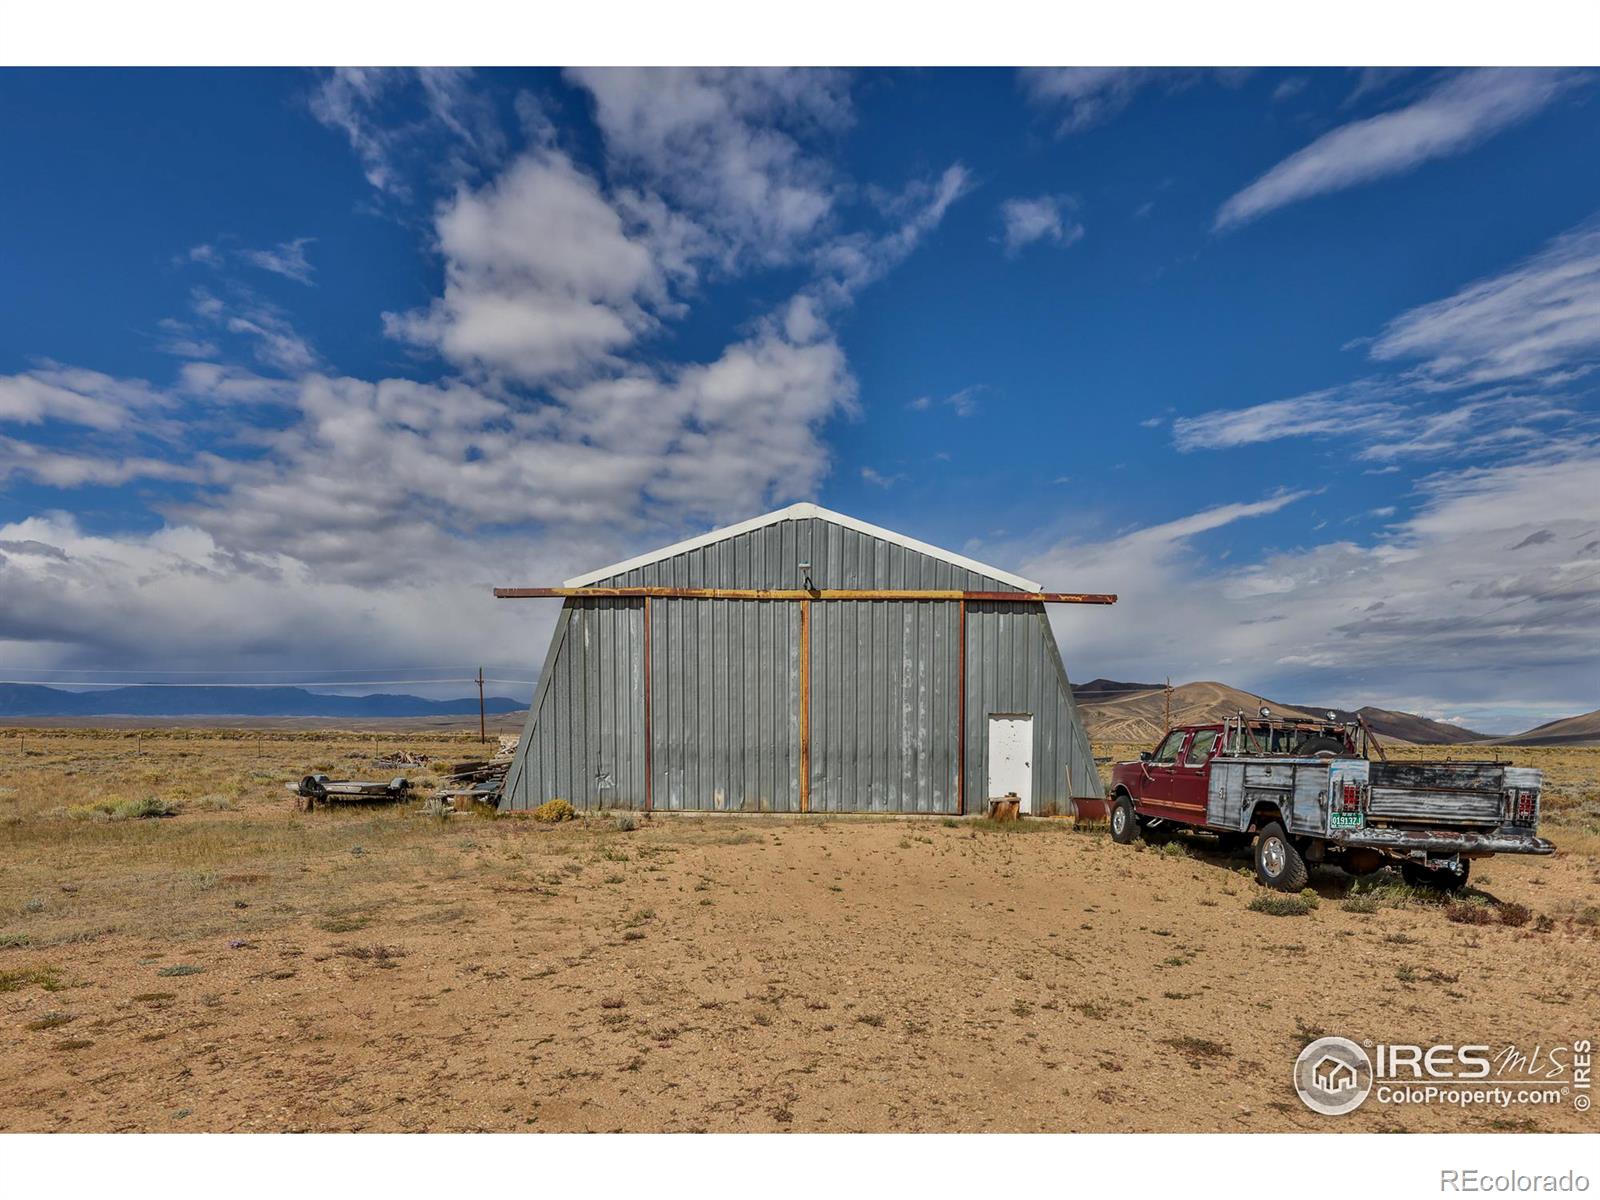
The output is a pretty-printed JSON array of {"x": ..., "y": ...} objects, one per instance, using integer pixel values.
[{"x": 1333, "y": 1076}]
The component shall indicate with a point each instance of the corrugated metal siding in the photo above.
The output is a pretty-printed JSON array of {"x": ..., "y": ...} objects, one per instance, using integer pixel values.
[
  {"x": 725, "y": 705},
  {"x": 1013, "y": 667},
  {"x": 584, "y": 737},
  {"x": 724, "y": 676},
  {"x": 769, "y": 558},
  {"x": 884, "y": 706}
]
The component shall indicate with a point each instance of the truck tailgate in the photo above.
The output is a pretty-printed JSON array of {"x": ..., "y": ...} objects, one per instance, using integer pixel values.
[{"x": 1451, "y": 793}]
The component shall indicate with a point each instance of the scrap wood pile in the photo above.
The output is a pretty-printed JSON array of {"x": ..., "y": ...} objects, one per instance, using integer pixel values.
[
  {"x": 399, "y": 759},
  {"x": 480, "y": 780}
]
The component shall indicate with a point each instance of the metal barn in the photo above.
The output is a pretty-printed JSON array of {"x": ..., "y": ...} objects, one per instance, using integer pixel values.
[{"x": 802, "y": 661}]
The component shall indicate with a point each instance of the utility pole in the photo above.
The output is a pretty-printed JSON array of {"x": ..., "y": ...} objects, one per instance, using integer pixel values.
[
  {"x": 483, "y": 733},
  {"x": 1166, "y": 704}
]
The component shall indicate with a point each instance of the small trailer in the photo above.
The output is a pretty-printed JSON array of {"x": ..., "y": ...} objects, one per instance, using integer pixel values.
[
  {"x": 1309, "y": 792},
  {"x": 319, "y": 789}
]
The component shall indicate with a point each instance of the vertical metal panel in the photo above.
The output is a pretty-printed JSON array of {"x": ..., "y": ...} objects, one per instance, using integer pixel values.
[
  {"x": 725, "y": 695},
  {"x": 584, "y": 738},
  {"x": 883, "y": 710},
  {"x": 1013, "y": 666}
]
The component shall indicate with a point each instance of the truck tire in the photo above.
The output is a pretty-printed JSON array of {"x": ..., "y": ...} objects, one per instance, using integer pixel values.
[
  {"x": 1124, "y": 822},
  {"x": 1278, "y": 863},
  {"x": 1440, "y": 879}
]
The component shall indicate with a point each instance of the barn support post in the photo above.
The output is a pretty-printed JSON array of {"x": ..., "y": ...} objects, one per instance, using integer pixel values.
[
  {"x": 649, "y": 771},
  {"x": 805, "y": 706},
  {"x": 961, "y": 740}
]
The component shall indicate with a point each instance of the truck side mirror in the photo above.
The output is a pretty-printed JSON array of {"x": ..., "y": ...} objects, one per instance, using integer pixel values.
[{"x": 1146, "y": 755}]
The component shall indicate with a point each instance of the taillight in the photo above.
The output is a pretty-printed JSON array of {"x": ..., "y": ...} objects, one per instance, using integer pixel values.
[
  {"x": 1527, "y": 806},
  {"x": 1350, "y": 798}
]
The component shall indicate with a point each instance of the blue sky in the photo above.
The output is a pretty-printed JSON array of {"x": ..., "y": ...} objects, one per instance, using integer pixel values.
[{"x": 294, "y": 366}]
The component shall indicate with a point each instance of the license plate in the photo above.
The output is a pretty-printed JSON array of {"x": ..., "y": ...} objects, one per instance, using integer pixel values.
[{"x": 1345, "y": 820}]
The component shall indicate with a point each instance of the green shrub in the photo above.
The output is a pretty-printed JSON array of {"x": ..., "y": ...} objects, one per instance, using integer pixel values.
[
  {"x": 123, "y": 810},
  {"x": 1275, "y": 904}
]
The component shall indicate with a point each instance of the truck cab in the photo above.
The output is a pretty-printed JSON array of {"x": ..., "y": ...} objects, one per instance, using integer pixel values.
[{"x": 1311, "y": 791}]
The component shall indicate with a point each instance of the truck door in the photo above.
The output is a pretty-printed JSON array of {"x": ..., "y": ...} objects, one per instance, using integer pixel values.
[
  {"x": 1155, "y": 789},
  {"x": 1189, "y": 774}
]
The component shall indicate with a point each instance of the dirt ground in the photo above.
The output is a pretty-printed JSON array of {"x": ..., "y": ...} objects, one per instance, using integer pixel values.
[{"x": 241, "y": 966}]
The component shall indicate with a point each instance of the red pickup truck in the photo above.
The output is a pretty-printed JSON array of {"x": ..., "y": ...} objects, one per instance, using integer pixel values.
[{"x": 1310, "y": 792}]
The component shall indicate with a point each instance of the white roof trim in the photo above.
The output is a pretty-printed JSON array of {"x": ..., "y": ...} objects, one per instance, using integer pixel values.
[{"x": 796, "y": 512}]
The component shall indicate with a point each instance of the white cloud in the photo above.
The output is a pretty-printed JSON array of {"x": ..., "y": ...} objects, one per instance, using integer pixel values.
[
  {"x": 1433, "y": 613},
  {"x": 1455, "y": 116},
  {"x": 286, "y": 258},
  {"x": 726, "y": 147},
  {"x": 542, "y": 278},
  {"x": 366, "y": 514},
  {"x": 1539, "y": 318},
  {"x": 366, "y": 106},
  {"x": 1039, "y": 218},
  {"x": 76, "y": 396},
  {"x": 1087, "y": 95}
]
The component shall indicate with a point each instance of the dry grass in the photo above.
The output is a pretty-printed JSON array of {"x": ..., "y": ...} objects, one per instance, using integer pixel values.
[{"x": 364, "y": 967}]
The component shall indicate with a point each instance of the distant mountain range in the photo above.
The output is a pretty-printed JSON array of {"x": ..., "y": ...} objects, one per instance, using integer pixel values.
[
  {"x": 1135, "y": 712},
  {"x": 155, "y": 700}
]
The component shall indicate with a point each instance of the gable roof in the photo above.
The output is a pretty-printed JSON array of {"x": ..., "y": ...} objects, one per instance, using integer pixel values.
[{"x": 797, "y": 512}]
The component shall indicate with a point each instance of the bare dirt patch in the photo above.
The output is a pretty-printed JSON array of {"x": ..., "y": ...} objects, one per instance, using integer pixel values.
[{"x": 241, "y": 966}]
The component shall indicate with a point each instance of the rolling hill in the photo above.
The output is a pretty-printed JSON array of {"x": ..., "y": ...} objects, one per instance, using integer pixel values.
[
  {"x": 1116, "y": 713},
  {"x": 1404, "y": 726},
  {"x": 154, "y": 700},
  {"x": 1132, "y": 712},
  {"x": 1581, "y": 730}
]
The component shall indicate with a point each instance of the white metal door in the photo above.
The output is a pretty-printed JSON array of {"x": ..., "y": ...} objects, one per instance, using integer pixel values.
[{"x": 1011, "y": 757}]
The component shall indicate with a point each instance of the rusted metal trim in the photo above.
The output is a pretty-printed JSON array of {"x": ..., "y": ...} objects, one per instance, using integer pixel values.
[
  {"x": 649, "y": 765},
  {"x": 805, "y": 706},
  {"x": 672, "y": 593},
  {"x": 961, "y": 739},
  {"x": 1372, "y": 739}
]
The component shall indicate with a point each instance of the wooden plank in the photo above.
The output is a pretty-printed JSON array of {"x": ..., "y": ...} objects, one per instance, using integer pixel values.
[
  {"x": 670, "y": 593},
  {"x": 805, "y": 706},
  {"x": 649, "y": 772}
]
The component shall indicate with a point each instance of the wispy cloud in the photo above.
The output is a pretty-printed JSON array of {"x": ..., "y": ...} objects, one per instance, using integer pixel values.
[
  {"x": 286, "y": 258},
  {"x": 1455, "y": 116},
  {"x": 879, "y": 479},
  {"x": 1540, "y": 318},
  {"x": 388, "y": 115},
  {"x": 963, "y": 403},
  {"x": 1085, "y": 95},
  {"x": 1039, "y": 218}
]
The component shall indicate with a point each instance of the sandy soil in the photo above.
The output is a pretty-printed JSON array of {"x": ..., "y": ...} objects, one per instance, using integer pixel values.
[{"x": 249, "y": 968}]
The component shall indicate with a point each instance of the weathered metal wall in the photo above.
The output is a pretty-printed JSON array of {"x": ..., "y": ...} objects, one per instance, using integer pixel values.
[
  {"x": 583, "y": 740},
  {"x": 769, "y": 558},
  {"x": 885, "y": 705},
  {"x": 725, "y": 704},
  {"x": 724, "y": 675},
  {"x": 1013, "y": 666}
]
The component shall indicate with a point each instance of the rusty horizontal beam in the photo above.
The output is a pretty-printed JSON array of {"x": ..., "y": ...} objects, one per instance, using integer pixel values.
[{"x": 685, "y": 593}]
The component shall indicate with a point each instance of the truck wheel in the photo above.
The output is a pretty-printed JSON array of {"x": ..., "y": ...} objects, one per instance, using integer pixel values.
[
  {"x": 1124, "y": 824},
  {"x": 1278, "y": 864},
  {"x": 1440, "y": 879}
]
